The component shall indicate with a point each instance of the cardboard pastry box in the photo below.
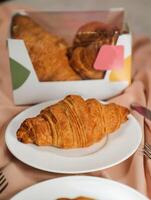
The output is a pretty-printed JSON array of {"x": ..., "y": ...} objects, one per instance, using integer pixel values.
[{"x": 27, "y": 89}]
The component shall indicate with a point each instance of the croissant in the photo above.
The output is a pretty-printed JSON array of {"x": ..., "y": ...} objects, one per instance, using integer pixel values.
[
  {"x": 82, "y": 62},
  {"x": 47, "y": 51},
  {"x": 72, "y": 123},
  {"x": 87, "y": 42}
]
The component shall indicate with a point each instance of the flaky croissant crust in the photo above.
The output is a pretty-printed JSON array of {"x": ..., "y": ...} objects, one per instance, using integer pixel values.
[
  {"x": 72, "y": 123},
  {"x": 47, "y": 51}
]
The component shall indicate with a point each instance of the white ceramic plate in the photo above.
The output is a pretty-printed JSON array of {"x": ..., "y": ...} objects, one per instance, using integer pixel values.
[
  {"x": 120, "y": 145},
  {"x": 75, "y": 186}
]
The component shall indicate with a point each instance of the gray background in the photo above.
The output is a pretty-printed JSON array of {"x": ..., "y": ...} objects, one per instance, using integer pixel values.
[{"x": 138, "y": 12}]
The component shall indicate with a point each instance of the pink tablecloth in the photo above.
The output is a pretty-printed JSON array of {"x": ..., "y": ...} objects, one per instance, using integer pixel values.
[{"x": 135, "y": 171}]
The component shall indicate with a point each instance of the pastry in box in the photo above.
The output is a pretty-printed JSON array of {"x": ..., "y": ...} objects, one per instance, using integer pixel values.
[{"x": 53, "y": 54}]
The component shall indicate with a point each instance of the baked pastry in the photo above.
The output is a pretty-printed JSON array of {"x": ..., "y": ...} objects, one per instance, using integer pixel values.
[
  {"x": 96, "y": 32},
  {"x": 72, "y": 123},
  {"x": 87, "y": 42},
  {"x": 82, "y": 60},
  {"x": 47, "y": 51}
]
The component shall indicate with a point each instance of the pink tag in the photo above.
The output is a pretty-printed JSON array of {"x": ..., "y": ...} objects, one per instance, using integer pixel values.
[{"x": 109, "y": 57}]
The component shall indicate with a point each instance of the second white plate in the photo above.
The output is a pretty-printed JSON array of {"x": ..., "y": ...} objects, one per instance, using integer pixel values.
[
  {"x": 120, "y": 145},
  {"x": 75, "y": 186}
]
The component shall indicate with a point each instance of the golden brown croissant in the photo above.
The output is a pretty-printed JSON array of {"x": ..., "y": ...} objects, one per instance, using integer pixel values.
[
  {"x": 88, "y": 40},
  {"x": 72, "y": 123},
  {"x": 47, "y": 51}
]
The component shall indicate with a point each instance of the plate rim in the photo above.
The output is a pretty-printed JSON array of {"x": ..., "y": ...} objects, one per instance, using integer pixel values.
[
  {"x": 83, "y": 178},
  {"x": 66, "y": 171}
]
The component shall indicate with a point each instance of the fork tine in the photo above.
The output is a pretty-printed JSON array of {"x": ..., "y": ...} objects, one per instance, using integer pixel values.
[
  {"x": 3, "y": 188},
  {"x": 1, "y": 178},
  {"x": 148, "y": 147},
  {"x": 147, "y": 154},
  {"x": 3, "y": 182}
]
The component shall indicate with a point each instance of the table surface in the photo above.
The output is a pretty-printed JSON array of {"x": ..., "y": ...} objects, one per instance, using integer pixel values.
[{"x": 138, "y": 12}]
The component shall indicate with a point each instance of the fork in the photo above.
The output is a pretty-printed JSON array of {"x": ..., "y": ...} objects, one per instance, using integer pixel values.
[
  {"x": 147, "y": 114},
  {"x": 147, "y": 150},
  {"x": 3, "y": 182}
]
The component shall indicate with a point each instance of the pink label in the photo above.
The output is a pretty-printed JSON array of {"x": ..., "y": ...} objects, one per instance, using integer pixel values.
[{"x": 109, "y": 57}]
